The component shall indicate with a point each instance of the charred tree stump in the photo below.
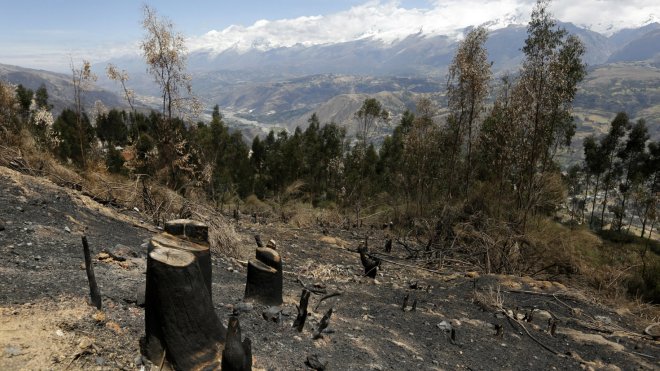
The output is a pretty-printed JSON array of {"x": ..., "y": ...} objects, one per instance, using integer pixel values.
[
  {"x": 237, "y": 355},
  {"x": 369, "y": 263},
  {"x": 388, "y": 245},
  {"x": 299, "y": 323},
  {"x": 264, "y": 277},
  {"x": 180, "y": 322},
  {"x": 325, "y": 321},
  {"x": 94, "y": 292}
]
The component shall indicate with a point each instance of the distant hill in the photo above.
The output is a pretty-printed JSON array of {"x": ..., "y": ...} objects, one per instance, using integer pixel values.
[{"x": 59, "y": 86}]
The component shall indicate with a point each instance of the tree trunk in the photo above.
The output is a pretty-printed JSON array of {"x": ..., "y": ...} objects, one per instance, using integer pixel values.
[
  {"x": 180, "y": 321},
  {"x": 593, "y": 203},
  {"x": 264, "y": 277},
  {"x": 299, "y": 323}
]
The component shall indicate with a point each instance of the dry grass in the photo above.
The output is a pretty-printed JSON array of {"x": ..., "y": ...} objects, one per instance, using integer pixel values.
[{"x": 326, "y": 272}]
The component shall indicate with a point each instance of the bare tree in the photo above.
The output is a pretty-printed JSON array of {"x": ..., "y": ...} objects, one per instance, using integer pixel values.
[
  {"x": 82, "y": 79},
  {"x": 165, "y": 52}
]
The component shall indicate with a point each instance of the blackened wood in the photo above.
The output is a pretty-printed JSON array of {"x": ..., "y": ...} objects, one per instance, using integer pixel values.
[
  {"x": 94, "y": 292},
  {"x": 405, "y": 302},
  {"x": 264, "y": 277},
  {"x": 299, "y": 323},
  {"x": 180, "y": 320},
  {"x": 257, "y": 239},
  {"x": 369, "y": 263},
  {"x": 188, "y": 229},
  {"x": 325, "y": 321},
  {"x": 388, "y": 245},
  {"x": 264, "y": 283},
  {"x": 202, "y": 253},
  {"x": 236, "y": 355}
]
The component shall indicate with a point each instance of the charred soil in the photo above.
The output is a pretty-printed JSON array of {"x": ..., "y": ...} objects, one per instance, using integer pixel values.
[{"x": 459, "y": 321}]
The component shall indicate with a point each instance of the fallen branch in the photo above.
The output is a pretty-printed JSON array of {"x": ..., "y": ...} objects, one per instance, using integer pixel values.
[
  {"x": 511, "y": 319},
  {"x": 326, "y": 297}
]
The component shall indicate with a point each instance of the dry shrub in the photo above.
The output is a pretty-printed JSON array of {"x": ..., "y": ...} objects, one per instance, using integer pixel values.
[
  {"x": 304, "y": 215},
  {"x": 253, "y": 204},
  {"x": 489, "y": 300},
  {"x": 326, "y": 272},
  {"x": 223, "y": 238}
]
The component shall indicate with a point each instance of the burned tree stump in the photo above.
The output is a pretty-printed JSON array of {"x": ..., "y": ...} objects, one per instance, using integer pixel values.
[
  {"x": 299, "y": 323},
  {"x": 264, "y": 277},
  {"x": 237, "y": 355},
  {"x": 369, "y": 263},
  {"x": 94, "y": 292},
  {"x": 325, "y": 321},
  {"x": 180, "y": 322}
]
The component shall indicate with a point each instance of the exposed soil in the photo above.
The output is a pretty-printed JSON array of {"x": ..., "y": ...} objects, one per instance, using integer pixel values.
[{"x": 47, "y": 323}]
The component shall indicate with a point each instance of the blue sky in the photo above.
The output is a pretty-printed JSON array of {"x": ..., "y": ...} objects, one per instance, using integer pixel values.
[{"x": 43, "y": 34}]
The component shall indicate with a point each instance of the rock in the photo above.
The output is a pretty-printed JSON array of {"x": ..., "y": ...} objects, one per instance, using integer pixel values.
[
  {"x": 271, "y": 244},
  {"x": 316, "y": 362},
  {"x": 100, "y": 361},
  {"x": 444, "y": 326},
  {"x": 19, "y": 208},
  {"x": 272, "y": 314},
  {"x": 103, "y": 256},
  {"x": 85, "y": 343},
  {"x": 243, "y": 308},
  {"x": 13, "y": 350},
  {"x": 604, "y": 319},
  {"x": 67, "y": 229},
  {"x": 139, "y": 296}
]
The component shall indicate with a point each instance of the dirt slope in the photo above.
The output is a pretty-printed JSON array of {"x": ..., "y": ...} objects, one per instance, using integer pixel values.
[{"x": 46, "y": 322}]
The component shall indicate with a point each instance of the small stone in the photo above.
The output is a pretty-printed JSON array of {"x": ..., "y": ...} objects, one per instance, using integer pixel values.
[
  {"x": 59, "y": 333},
  {"x": 604, "y": 319},
  {"x": 444, "y": 326},
  {"x": 13, "y": 350},
  {"x": 271, "y": 244},
  {"x": 243, "y": 307},
  {"x": 100, "y": 361},
  {"x": 85, "y": 343},
  {"x": 19, "y": 208},
  {"x": 272, "y": 314},
  {"x": 316, "y": 362},
  {"x": 67, "y": 229}
]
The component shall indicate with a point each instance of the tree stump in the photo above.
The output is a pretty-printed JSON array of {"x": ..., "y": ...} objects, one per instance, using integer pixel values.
[
  {"x": 180, "y": 321},
  {"x": 264, "y": 277}
]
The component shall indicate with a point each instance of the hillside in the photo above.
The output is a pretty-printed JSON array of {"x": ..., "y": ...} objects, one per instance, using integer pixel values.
[
  {"x": 60, "y": 87},
  {"x": 47, "y": 323}
]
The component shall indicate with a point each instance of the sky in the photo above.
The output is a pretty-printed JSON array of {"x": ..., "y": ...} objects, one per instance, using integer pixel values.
[{"x": 48, "y": 33}]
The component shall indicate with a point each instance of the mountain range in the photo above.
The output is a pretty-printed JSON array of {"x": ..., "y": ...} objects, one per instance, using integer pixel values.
[{"x": 262, "y": 87}]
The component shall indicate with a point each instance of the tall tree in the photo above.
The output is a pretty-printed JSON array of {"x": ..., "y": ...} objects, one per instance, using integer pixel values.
[
  {"x": 467, "y": 88},
  {"x": 633, "y": 158},
  {"x": 594, "y": 166},
  {"x": 542, "y": 100},
  {"x": 611, "y": 145},
  {"x": 370, "y": 117}
]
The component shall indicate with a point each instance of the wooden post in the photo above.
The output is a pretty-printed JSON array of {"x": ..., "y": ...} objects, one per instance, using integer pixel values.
[
  {"x": 180, "y": 321},
  {"x": 94, "y": 292},
  {"x": 264, "y": 277}
]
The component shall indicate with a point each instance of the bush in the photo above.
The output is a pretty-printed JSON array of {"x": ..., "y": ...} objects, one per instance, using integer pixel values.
[{"x": 645, "y": 283}]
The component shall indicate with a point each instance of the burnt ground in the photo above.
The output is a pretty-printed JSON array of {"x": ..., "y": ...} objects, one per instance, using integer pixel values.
[{"x": 47, "y": 323}]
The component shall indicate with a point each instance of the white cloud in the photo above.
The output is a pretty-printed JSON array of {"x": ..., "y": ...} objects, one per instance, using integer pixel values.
[{"x": 388, "y": 21}]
